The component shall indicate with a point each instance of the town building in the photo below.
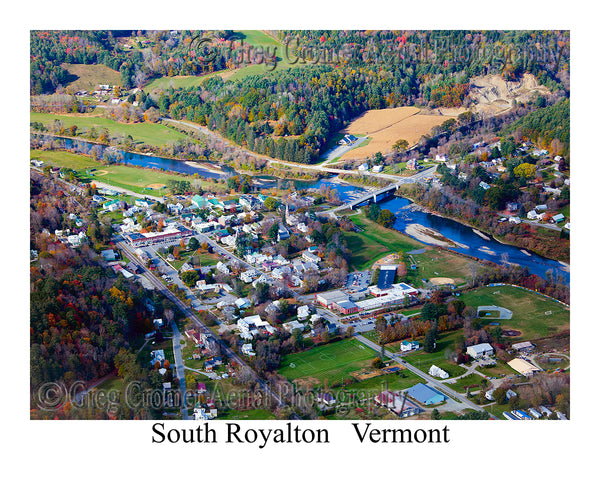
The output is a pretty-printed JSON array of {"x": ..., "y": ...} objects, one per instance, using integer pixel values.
[
  {"x": 425, "y": 395},
  {"x": 480, "y": 350}
]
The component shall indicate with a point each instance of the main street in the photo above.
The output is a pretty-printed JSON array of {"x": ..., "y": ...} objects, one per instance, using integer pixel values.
[
  {"x": 189, "y": 313},
  {"x": 439, "y": 385}
]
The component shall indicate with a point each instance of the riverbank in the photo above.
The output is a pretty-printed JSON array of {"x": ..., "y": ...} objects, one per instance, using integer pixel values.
[
  {"x": 414, "y": 205},
  {"x": 431, "y": 236}
]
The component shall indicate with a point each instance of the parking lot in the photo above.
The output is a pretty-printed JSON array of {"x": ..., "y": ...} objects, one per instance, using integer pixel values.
[{"x": 358, "y": 280}]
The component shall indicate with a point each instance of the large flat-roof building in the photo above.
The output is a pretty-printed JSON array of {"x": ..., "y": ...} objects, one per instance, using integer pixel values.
[
  {"x": 523, "y": 367},
  {"x": 150, "y": 238},
  {"x": 426, "y": 395},
  {"x": 327, "y": 299},
  {"x": 480, "y": 350}
]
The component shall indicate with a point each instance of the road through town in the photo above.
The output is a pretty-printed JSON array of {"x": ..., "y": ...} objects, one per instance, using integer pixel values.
[{"x": 189, "y": 313}]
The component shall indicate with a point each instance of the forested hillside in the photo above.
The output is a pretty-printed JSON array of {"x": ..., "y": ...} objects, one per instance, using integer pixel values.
[{"x": 546, "y": 126}]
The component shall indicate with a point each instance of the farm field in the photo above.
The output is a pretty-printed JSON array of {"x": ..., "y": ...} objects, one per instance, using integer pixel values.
[
  {"x": 534, "y": 316},
  {"x": 327, "y": 363},
  {"x": 385, "y": 127},
  {"x": 158, "y": 85},
  {"x": 88, "y": 77},
  {"x": 256, "y": 38},
  {"x": 148, "y": 133}
]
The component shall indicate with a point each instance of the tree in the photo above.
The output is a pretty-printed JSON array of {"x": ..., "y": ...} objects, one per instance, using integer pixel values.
[
  {"x": 525, "y": 170},
  {"x": 272, "y": 232},
  {"x": 400, "y": 146},
  {"x": 386, "y": 218},
  {"x": 193, "y": 244},
  {"x": 190, "y": 277},
  {"x": 429, "y": 341},
  {"x": 271, "y": 203}
]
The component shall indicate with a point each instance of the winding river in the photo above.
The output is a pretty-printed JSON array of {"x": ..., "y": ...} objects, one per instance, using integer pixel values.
[{"x": 473, "y": 244}]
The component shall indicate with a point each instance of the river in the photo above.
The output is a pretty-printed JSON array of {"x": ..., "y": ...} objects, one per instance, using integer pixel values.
[
  {"x": 131, "y": 158},
  {"x": 476, "y": 246}
]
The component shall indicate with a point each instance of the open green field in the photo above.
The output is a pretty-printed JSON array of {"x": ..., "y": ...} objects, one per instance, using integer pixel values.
[
  {"x": 373, "y": 386},
  {"x": 444, "y": 347},
  {"x": 58, "y": 158},
  {"x": 88, "y": 77},
  {"x": 134, "y": 179},
  {"x": 534, "y": 316},
  {"x": 124, "y": 176},
  {"x": 331, "y": 362},
  {"x": 375, "y": 242},
  {"x": 181, "y": 81},
  {"x": 148, "y": 133},
  {"x": 462, "y": 383},
  {"x": 441, "y": 263},
  {"x": 257, "y": 38}
]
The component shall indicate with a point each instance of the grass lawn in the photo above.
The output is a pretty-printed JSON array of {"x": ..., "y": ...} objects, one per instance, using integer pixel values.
[
  {"x": 148, "y": 133},
  {"x": 367, "y": 389},
  {"x": 58, "y": 158},
  {"x": 441, "y": 263},
  {"x": 471, "y": 379},
  {"x": 375, "y": 242},
  {"x": 439, "y": 358},
  {"x": 499, "y": 370},
  {"x": 327, "y": 363},
  {"x": 112, "y": 384},
  {"x": 534, "y": 316}
]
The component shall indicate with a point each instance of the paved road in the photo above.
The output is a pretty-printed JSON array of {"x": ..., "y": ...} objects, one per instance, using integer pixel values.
[
  {"x": 188, "y": 312},
  {"x": 179, "y": 366},
  {"x": 272, "y": 161},
  {"x": 440, "y": 386}
]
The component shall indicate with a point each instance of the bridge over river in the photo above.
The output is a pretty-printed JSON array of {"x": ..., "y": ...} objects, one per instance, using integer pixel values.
[{"x": 382, "y": 193}]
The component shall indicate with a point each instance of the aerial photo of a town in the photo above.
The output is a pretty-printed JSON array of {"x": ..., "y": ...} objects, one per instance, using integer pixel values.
[{"x": 299, "y": 225}]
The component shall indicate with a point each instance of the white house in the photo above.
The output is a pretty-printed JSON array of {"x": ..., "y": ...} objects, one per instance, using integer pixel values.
[
  {"x": 248, "y": 276},
  {"x": 303, "y": 312},
  {"x": 437, "y": 372},
  {"x": 293, "y": 325},
  {"x": 516, "y": 220},
  {"x": 480, "y": 350},
  {"x": 377, "y": 168},
  {"x": 246, "y": 349},
  {"x": 441, "y": 157},
  {"x": 407, "y": 346},
  {"x": 310, "y": 257},
  {"x": 221, "y": 267},
  {"x": 363, "y": 168}
]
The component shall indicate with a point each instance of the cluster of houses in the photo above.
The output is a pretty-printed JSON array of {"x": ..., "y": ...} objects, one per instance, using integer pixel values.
[
  {"x": 72, "y": 238},
  {"x": 364, "y": 167}
]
